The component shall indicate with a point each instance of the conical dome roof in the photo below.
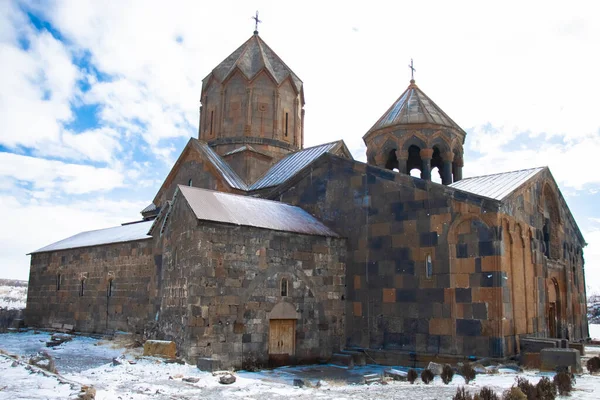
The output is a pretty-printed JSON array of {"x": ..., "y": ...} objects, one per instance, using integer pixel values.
[
  {"x": 252, "y": 57},
  {"x": 414, "y": 107}
]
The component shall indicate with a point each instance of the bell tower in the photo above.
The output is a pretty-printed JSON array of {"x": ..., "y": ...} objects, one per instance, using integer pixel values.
[
  {"x": 252, "y": 109},
  {"x": 414, "y": 133}
]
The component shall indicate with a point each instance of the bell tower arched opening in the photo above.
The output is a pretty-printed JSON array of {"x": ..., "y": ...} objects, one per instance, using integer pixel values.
[{"x": 392, "y": 161}]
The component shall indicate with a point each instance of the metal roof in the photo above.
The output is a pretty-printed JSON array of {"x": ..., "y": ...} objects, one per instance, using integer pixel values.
[
  {"x": 234, "y": 209},
  {"x": 224, "y": 169},
  {"x": 117, "y": 234},
  {"x": 150, "y": 207},
  {"x": 290, "y": 165},
  {"x": 414, "y": 107},
  {"x": 252, "y": 57},
  {"x": 496, "y": 186}
]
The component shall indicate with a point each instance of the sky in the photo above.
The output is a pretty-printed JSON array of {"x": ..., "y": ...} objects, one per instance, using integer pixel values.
[{"x": 97, "y": 99}]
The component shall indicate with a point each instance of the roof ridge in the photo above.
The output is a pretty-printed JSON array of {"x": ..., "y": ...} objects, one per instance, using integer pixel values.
[{"x": 503, "y": 173}]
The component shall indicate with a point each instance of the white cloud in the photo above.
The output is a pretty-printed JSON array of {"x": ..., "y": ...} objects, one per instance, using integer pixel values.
[{"x": 58, "y": 177}]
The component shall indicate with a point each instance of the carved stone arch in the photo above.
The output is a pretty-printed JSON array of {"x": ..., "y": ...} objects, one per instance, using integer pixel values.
[
  {"x": 283, "y": 310},
  {"x": 388, "y": 158},
  {"x": 550, "y": 198},
  {"x": 414, "y": 140},
  {"x": 438, "y": 140},
  {"x": 508, "y": 231},
  {"x": 520, "y": 233},
  {"x": 551, "y": 221},
  {"x": 453, "y": 229}
]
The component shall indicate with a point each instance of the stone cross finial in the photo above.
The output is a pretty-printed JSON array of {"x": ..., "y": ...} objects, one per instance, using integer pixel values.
[
  {"x": 412, "y": 71},
  {"x": 256, "y": 22}
]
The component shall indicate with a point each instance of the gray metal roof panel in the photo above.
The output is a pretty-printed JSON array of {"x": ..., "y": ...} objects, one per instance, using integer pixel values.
[
  {"x": 150, "y": 207},
  {"x": 228, "y": 174},
  {"x": 117, "y": 234},
  {"x": 414, "y": 107},
  {"x": 496, "y": 186},
  {"x": 290, "y": 165},
  {"x": 234, "y": 209}
]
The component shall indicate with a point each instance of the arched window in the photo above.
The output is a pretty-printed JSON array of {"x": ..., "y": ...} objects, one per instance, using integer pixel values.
[
  {"x": 428, "y": 266},
  {"x": 392, "y": 161},
  {"x": 284, "y": 287},
  {"x": 286, "y": 124},
  {"x": 109, "y": 289},
  {"x": 58, "y": 279},
  {"x": 190, "y": 182},
  {"x": 81, "y": 288}
]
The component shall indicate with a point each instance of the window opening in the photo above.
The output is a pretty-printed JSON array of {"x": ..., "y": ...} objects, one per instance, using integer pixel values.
[
  {"x": 284, "y": 287},
  {"x": 81, "y": 288},
  {"x": 58, "y": 278},
  {"x": 109, "y": 289},
  {"x": 428, "y": 266},
  {"x": 190, "y": 182},
  {"x": 286, "y": 124},
  {"x": 546, "y": 232},
  {"x": 211, "y": 122}
]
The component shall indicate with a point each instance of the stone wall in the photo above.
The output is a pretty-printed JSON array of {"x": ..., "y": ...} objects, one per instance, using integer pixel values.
[
  {"x": 57, "y": 278},
  {"x": 221, "y": 284}
]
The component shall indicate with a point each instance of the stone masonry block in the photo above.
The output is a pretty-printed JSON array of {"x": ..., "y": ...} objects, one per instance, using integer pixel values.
[{"x": 551, "y": 359}]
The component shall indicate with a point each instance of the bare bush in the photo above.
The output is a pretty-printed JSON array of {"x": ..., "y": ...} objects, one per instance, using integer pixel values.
[
  {"x": 468, "y": 372},
  {"x": 564, "y": 382},
  {"x": 412, "y": 375},
  {"x": 514, "y": 393},
  {"x": 546, "y": 389},
  {"x": 462, "y": 394},
  {"x": 426, "y": 376},
  {"x": 593, "y": 365},
  {"x": 487, "y": 394},
  {"x": 447, "y": 374}
]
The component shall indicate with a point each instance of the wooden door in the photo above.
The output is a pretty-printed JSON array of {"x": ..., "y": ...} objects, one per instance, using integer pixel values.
[
  {"x": 282, "y": 336},
  {"x": 552, "y": 320}
]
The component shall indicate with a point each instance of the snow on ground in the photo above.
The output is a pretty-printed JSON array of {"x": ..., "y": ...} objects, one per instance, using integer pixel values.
[
  {"x": 13, "y": 297},
  {"x": 88, "y": 361},
  {"x": 595, "y": 331}
]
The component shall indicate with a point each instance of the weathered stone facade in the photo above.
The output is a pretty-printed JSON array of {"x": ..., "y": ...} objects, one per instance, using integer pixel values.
[
  {"x": 351, "y": 254},
  {"x": 221, "y": 286},
  {"x": 95, "y": 289}
]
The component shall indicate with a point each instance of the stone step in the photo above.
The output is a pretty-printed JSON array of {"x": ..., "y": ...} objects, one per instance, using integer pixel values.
[
  {"x": 358, "y": 357},
  {"x": 345, "y": 360},
  {"x": 372, "y": 378}
]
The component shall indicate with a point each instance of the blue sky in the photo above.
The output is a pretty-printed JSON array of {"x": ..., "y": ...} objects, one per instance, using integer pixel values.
[{"x": 99, "y": 98}]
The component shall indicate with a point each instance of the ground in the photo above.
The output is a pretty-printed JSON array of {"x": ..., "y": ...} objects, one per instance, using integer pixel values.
[{"x": 88, "y": 361}]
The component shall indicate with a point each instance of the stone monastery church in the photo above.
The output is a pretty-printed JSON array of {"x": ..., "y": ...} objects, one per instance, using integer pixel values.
[{"x": 257, "y": 249}]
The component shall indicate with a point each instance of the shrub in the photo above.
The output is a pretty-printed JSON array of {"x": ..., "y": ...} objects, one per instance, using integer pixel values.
[
  {"x": 593, "y": 365},
  {"x": 546, "y": 389},
  {"x": 487, "y": 394},
  {"x": 564, "y": 382},
  {"x": 426, "y": 376},
  {"x": 527, "y": 388},
  {"x": 514, "y": 393},
  {"x": 447, "y": 374},
  {"x": 462, "y": 394},
  {"x": 412, "y": 375},
  {"x": 468, "y": 372}
]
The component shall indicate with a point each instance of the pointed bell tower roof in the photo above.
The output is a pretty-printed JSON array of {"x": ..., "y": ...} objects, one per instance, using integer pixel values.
[
  {"x": 251, "y": 58},
  {"x": 414, "y": 107}
]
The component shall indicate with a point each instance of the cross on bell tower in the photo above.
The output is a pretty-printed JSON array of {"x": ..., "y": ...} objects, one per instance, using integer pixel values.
[
  {"x": 256, "y": 22},
  {"x": 412, "y": 71}
]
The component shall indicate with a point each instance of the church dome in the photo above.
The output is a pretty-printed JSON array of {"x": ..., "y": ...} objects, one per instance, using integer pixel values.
[
  {"x": 414, "y": 133},
  {"x": 252, "y": 100}
]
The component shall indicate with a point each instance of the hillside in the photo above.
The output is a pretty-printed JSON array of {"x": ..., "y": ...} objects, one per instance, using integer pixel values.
[{"x": 13, "y": 294}]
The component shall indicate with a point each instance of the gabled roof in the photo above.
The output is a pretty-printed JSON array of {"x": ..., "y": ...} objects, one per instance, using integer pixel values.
[
  {"x": 414, "y": 107},
  {"x": 293, "y": 163},
  {"x": 252, "y": 57},
  {"x": 209, "y": 205},
  {"x": 496, "y": 186},
  {"x": 117, "y": 234},
  {"x": 221, "y": 166}
]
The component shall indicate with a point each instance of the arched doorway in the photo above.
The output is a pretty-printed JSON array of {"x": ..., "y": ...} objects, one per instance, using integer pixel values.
[
  {"x": 554, "y": 309},
  {"x": 282, "y": 333}
]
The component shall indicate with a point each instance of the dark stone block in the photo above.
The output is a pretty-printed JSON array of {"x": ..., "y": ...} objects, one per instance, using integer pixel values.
[
  {"x": 462, "y": 250},
  {"x": 431, "y": 295},
  {"x": 397, "y": 207},
  {"x": 468, "y": 327},
  {"x": 491, "y": 279},
  {"x": 405, "y": 267},
  {"x": 433, "y": 343},
  {"x": 429, "y": 239},
  {"x": 463, "y": 295},
  {"x": 376, "y": 243},
  {"x": 409, "y": 281},
  {"x": 425, "y": 310},
  {"x": 402, "y": 254},
  {"x": 478, "y": 264},
  {"x": 373, "y": 268},
  {"x": 420, "y": 183},
  {"x": 442, "y": 281},
  {"x": 246, "y": 338},
  {"x": 406, "y": 295},
  {"x": 480, "y": 311},
  {"x": 490, "y": 248},
  {"x": 423, "y": 225}
]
